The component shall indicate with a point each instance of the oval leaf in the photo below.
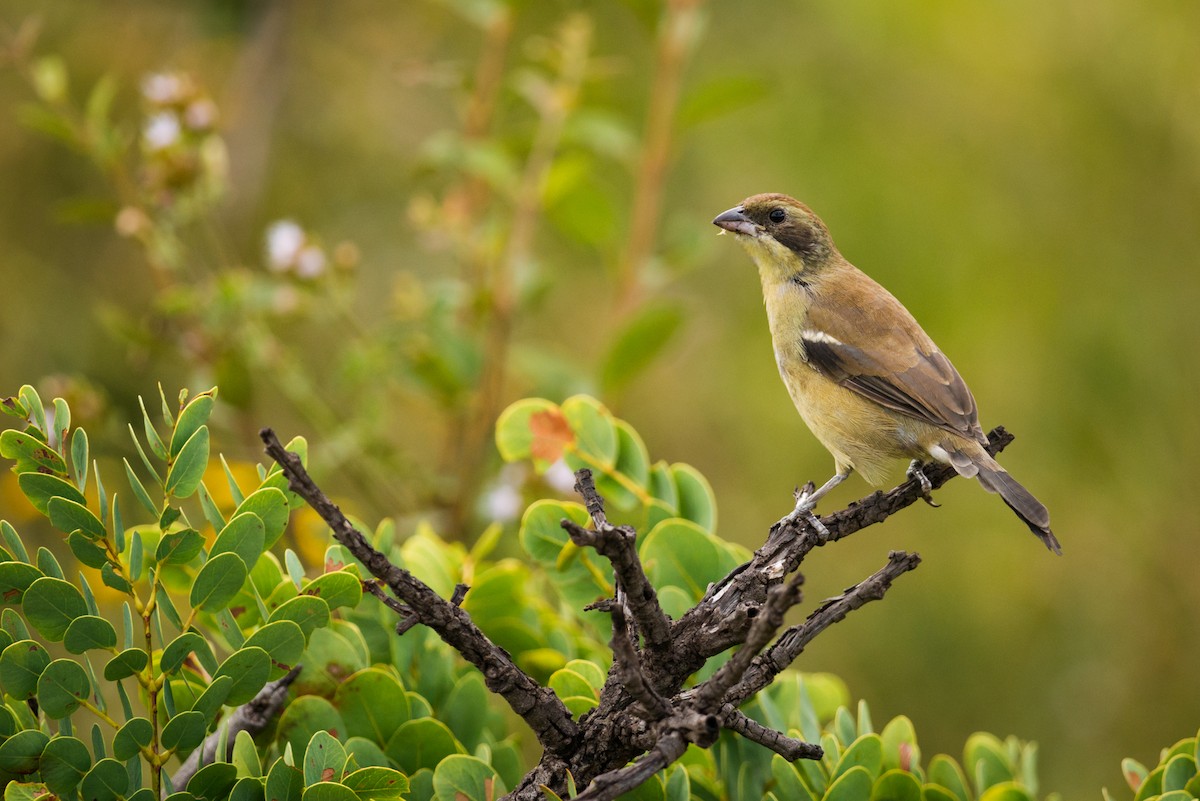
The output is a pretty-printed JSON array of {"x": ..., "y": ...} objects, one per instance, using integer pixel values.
[
  {"x": 50, "y": 604},
  {"x": 244, "y": 535},
  {"x": 189, "y": 465},
  {"x": 218, "y": 581}
]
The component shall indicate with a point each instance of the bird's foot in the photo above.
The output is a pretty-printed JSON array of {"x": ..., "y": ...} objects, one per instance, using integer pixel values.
[
  {"x": 914, "y": 471},
  {"x": 806, "y": 501}
]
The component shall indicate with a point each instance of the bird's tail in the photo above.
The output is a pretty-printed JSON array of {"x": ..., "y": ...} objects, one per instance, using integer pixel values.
[{"x": 995, "y": 478}]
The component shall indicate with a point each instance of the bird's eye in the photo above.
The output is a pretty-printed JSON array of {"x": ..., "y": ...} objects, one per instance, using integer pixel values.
[{"x": 777, "y": 215}]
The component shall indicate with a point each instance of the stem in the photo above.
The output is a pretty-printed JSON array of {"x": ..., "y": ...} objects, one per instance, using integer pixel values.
[
  {"x": 554, "y": 107},
  {"x": 678, "y": 34}
]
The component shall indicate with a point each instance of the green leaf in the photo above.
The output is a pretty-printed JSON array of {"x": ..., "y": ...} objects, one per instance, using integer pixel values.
[
  {"x": 365, "y": 753},
  {"x": 15, "y": 578},
  {"x": 946, "y": 772},
  {"x": 243, "y": 535},
  {"x": 328, "y": 791},
  {"x": 378, "y": 783},
  {"x": 67, "y": 516},
  {"x": 130, "y": 738},
  {"x": 464, "y": 710},
  {"x": 89, "y": 633},
  {"x": 65, "y": 760},
  {"x": 866, "y": 752},
  {"x": 21, "y": 665},
  {"x": 152, "y": 437},
  {"x": 249, "y": 668},
  {"x": 896, "y": 785},
  {"x": 213, "y": 782},
  {"x": 373, "y": 704},
  {"x": 33, "y": 402},
  {"x": 177, "y": 651},
  {"x": 13, "y": 542},
  {"x": 106, "y": 781},
  {"x": 1178, "y": 771},
  {"x": 126, "y": 664},
  {"x": 111, "y": 578},
  {"x": 184, "y": 731},
  {"x": 179, "y": 547},
  {"x": 324, "y": 759},
  {"x": 62, "y": 688},
  {"x": 21, "y": 753},
  {"x": 900, "y": 748},
  {"x": 788, "y": 783},
  {"x": 39, "y": 488},
  {"x": 464, "y": 778},
  {"x": 638, "y": 344},
  {"x": 853, "y": 785},
  {"x": 680, "y": 553},
  {"x": 86, "y": 551},
  {"x": 211, "y": 513},
  {"x": 984, "y": 758},
  {"x": 193, "y": 416},
  {"x": 218, "y": 582},
  {"x": 283, "y": 641},
  {"x": 213, "y": 698},
  {"x": 48, "y": 564},
  {"x": 309, "y": 612},
  {"x": 271, "y": 506},
  {"x": 247, "y": 788},
  {"x": 50, "y": 604},
  {"x": 245, "y": 755},
  {"x": 542, "y": 536},
  {"x": 337, "y": 589},
  {"x": 284, "y": 783},
  {"x": 533, "y": 428},
  {"x": 31, "y": 454},
  {"x": 697, "y": 502},
  {"x": 304, "y": 717},
  {"x": 79, "y": 457},
  {"x": 188, "y": 466},
  {"x": 13, "y": 407},
  {"x": 139, "y": 491},
  {"x": 421, "y": 743},
  {"x": 595, "y": 433},
  {"x": 1007, "y": 791}
]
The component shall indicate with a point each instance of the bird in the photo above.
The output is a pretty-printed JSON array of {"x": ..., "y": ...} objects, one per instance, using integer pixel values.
[{"x": 866, "y": 378}]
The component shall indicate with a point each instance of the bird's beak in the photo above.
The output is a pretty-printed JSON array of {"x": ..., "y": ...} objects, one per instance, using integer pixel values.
[{"x": 735, "y": 220}]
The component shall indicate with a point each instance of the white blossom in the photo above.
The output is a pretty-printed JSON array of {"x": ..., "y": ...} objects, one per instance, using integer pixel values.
[
  {"x": 284, "y": 241},
  {"x": 161, "y": 130}
]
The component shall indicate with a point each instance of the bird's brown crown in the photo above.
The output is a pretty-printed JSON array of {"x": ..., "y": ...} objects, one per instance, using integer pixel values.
[{"x": 791, "y": 223}]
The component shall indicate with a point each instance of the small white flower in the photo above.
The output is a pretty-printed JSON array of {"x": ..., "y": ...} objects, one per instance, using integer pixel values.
[
  {"x": 503, "y": 503},
  {"x": 200, "y": 115},
  {"x": 162, "y": 88},
  {"x": 310, "y": 262},
  {"x": 560, "y": 477},
  {"x": 284, "y": 240},
  {"x": 161, "y": 131}
]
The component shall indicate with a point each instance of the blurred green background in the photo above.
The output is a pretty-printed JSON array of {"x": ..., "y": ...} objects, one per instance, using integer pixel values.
[{"x": 1024, "y": 176}]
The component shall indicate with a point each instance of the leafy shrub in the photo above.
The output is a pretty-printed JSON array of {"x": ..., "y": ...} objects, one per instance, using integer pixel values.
[{"x": 1175, "y": 778}]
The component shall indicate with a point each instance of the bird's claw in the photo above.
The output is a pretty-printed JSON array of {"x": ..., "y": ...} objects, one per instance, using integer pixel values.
[
  {"x": 805, "y": 503},
  {"x": 915, "y": 471}
]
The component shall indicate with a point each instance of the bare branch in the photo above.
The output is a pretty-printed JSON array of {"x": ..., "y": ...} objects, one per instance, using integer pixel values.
[
  {"x": 792, "y": 642},
  {"x": 783, "y": 597},
  {"x": 617, "y": 544},
  {"x": 789, "y": 748},
  {"x": 629, "y": 666},
  {"x": 540, "y": 708},
  {"x": 252, "y": 716}
]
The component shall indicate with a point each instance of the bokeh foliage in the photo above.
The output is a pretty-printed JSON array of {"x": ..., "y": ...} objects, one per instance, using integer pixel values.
[{"x": 1022, "y": 175}]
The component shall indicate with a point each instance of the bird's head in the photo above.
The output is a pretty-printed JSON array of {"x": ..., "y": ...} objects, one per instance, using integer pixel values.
[{"x": 780, "y": 233}]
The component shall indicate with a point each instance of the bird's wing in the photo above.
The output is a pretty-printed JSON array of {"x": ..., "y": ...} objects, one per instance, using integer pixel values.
[{"x": 874, "y": 347}]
